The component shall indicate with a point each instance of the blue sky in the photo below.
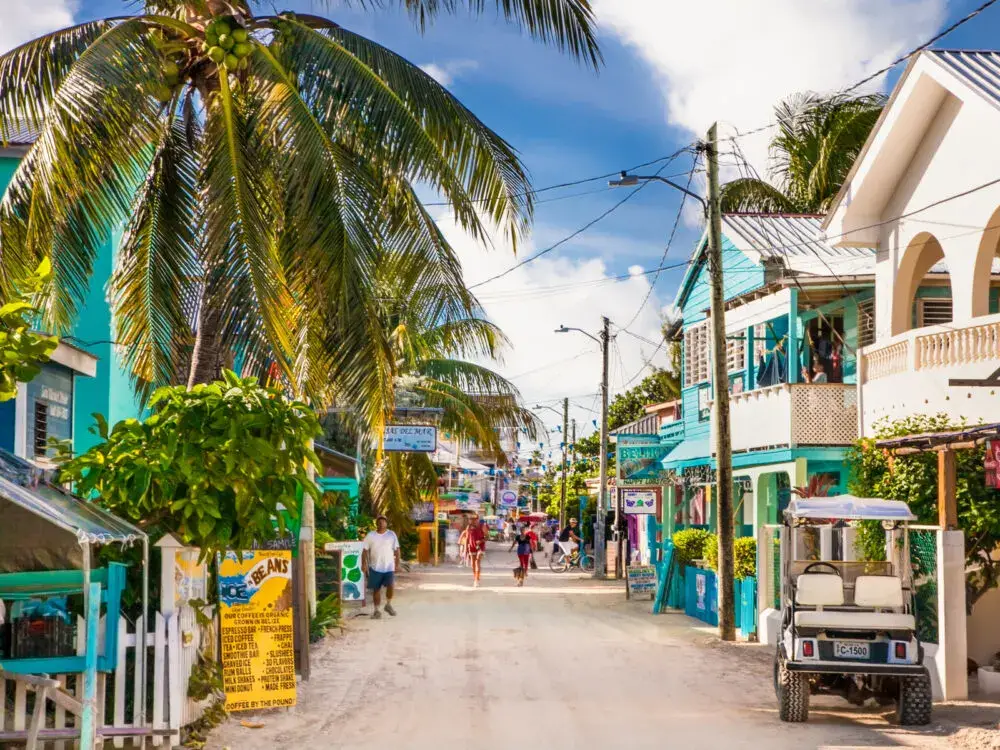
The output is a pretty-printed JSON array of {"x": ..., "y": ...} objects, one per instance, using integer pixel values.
[{"x": 662, "y": 83}]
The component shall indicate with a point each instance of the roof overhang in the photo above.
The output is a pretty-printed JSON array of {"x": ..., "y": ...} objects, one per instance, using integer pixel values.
[{"x": 80, "y": 361}]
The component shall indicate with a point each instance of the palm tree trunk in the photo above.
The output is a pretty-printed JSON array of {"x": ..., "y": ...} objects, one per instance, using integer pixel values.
[{"x": 206, "y": 356}]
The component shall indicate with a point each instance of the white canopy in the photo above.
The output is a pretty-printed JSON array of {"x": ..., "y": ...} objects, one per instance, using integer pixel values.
[{"x": 850, "y": 507}]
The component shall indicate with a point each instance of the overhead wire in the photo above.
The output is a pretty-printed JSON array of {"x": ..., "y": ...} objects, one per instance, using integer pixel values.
[
  {"x": 579, "y": 231},
  {"x": 881, "y": 71}
]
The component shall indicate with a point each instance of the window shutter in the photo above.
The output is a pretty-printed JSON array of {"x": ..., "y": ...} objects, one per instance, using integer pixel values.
[
  {"x": 935, "y": 311},
  {"x": 866, "y": 322}
]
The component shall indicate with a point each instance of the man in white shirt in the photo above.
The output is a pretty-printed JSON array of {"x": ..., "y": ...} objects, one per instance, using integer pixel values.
[{"x": 379, "y": 561}]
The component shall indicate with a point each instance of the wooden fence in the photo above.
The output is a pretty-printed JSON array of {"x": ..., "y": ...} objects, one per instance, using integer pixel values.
[{"x": 172, "y": 645}]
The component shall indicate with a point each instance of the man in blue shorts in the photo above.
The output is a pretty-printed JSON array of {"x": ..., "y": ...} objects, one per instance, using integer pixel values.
[{"x": 379, "y": 561}]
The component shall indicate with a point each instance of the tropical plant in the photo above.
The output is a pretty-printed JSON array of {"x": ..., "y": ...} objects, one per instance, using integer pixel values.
[
  {"x": 689, "y": 544},
  {"x": 819, "y": 485},
  {"x": 744, "y": 555},
  {"x": 818, "y": 140},
  {"x": 217, "y": 465},
  {"x": 913, "y": 479},
  {"x": 264, "y": 167},
  {"x": 22, "y": 351},
  {"x": 328, "y": 613}
]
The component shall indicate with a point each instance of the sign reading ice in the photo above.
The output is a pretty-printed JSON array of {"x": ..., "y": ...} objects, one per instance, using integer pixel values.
[
  {"x": 639, "y": 501},
  {"x": 411, "y": 438}
]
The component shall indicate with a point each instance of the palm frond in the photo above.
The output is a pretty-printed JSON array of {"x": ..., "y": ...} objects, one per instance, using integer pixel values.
[
  {"x": 157, "y": 267},
  {"x": 752, "y": 195}
]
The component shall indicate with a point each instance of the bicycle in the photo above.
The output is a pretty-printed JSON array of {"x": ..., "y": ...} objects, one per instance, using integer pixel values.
[{"x": 560, "y": 562}]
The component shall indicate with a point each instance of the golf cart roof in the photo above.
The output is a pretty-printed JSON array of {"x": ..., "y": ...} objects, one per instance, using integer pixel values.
[{"x": 849, "y": 507}]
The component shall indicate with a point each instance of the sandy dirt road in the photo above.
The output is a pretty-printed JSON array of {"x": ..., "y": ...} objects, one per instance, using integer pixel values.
[{"x": 564, "y": 662}]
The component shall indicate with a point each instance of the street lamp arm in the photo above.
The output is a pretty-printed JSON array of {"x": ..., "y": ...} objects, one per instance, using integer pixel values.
[
  {"x": 566, "y": 329},
  {"x": 627, "y": 180}
]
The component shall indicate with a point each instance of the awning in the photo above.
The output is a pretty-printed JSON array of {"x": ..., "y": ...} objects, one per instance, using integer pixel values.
[
  {"x": 30, "y": 508},
  {"x": 448, "y": 459},
  {"x": 691, "y": 452},
  {"x": 849, "y": 507}
]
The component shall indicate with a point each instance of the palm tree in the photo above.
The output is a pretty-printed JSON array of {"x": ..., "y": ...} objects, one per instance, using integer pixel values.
[
  {"x": 263, "y": 167},
  {"x": 434, "y": 345},
  {"x": 818, "y": 140}
]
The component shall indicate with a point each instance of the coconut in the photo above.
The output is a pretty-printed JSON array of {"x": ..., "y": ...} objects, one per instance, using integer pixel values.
[
  {"x": 232, "y": 61},
  {"x": 221, "y": 28},
  {"x": 162, "y": 92},
  {"x": 226, "y": 42},
  {"x": 170, "y": 69},
  {"x": 217, "y": 54},
  {"x": 240, "y": 35},
  {"x": 242, "y": 49},
  {"x": 211, "y": 38}
]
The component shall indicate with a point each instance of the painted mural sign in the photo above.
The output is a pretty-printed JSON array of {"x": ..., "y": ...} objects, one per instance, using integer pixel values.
[
  {"x": 257, "y": 629},
  {"x": 639, "y": 501},
  {"x": 641, "y": 580},
  {"x": 410, "y": 438},
  {"x": 352, "y": 578},
  {"x": 640, "y": 464},
  {"x": 508, "y": 499}
]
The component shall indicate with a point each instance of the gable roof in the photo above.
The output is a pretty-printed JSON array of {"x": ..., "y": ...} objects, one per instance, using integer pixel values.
[
  {"x": 792, "y": 242},
  {"x": 976, "y": 70}
]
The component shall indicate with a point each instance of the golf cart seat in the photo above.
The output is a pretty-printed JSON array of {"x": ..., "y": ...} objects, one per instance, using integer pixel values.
[{"x": 874, "y": 592}]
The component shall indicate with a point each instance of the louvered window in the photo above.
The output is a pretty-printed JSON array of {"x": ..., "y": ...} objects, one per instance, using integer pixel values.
[
  {"x": 696, "y": 354},
  {"x": 934, "y": 311},
  {"x": 735, "y": 354},
  {"x": 41, "y": 429},
  {"x": 866, "y": 322}
]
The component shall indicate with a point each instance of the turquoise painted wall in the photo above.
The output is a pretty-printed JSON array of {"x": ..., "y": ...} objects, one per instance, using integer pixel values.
[{"x": 110, "y": 391}]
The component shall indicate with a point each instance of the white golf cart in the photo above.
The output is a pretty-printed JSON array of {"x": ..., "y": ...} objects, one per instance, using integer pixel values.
[{"x": 848, "y": 627}]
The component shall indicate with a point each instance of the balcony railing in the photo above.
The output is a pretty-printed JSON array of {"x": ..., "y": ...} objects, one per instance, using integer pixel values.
[{"x": 800, "y": 414}]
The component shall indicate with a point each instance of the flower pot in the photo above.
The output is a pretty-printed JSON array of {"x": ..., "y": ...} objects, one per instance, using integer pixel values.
[{"x": 989, "y": 681}]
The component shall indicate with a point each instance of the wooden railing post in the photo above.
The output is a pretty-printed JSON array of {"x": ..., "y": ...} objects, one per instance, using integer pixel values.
[{"x": 947, "y": 506}]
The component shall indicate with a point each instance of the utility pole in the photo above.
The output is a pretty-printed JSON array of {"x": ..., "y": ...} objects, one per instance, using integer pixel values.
[
  {"x": 562, "y": 460},
  {"x": 720, "y": 381},
  {"x": 572, "y": 464},
  {"x": 600, "y": 548}
]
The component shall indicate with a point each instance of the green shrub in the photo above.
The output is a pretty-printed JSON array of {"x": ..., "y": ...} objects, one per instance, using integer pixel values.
[
  {"x": 689, "y": 544},
  {"x": 744, "y": 555},
  {"x": 327, "y": 616}
]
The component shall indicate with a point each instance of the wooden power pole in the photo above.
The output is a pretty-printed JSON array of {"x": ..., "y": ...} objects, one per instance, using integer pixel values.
[
  {"x": 720, "y": 381},
  {"x": 562, "y": 460}
]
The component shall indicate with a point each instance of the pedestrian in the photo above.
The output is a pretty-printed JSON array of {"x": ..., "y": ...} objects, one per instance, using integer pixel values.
[
  {"x": 379, "y": 561},
  {"x": 477, "y": 548},
  {"x": 533, "y": 538},
  {"x": 463, "y": 547},
  {"x": 508, "y": 530},
  {"x": 523, "y": 542}
]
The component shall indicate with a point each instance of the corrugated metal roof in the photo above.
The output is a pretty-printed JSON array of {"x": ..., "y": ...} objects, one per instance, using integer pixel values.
[
  {"x": 20, "y": 135},
  {"x": 978, "y": 68},
  {"x": 797, "y": 241}
]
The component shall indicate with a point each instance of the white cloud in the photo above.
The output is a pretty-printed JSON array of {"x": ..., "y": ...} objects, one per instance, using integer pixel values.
[
  {"x": 532, "y": 301},
  {"x": 23, "y": 20},
  {"x": 735, "y": 64},
  {"x": 636, "y": 270},
  {"x": 447, "y": 72}
]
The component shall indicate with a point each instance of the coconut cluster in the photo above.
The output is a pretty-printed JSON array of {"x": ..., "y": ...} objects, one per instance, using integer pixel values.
[{"x": 227, "y": 43}]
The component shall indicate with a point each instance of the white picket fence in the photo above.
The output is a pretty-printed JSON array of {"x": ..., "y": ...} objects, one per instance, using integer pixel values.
[{"x": 172, "y": 651}]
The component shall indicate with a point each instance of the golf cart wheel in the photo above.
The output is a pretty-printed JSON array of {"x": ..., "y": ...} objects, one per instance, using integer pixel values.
[
  {"x": 914, "y": 706},
  {"x": 793, "y": 693},
  {"x": 586, "y": 563},
  {"x": 559, "y": 563}
]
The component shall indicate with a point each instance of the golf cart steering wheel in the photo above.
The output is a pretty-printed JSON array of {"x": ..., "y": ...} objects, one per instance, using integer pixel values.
[{"x": 821, "y": 564}]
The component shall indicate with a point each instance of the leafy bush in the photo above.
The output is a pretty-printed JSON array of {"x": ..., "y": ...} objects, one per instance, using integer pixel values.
[
  {"x": 327, "y": 616},
  {"x": 23, "y": 351},
  {"x": 689, "y": 544},
  {"x": 744, "y": 555},
  {"x": 322, "y": 538}
]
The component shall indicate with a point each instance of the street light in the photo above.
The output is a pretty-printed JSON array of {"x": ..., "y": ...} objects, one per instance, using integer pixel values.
[
  {"x": 631, "y": 180},
  {"x": 600, "y": 549}
]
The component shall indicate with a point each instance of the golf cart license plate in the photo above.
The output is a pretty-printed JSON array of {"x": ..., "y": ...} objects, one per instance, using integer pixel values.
[{"x": 851, "y": 650}]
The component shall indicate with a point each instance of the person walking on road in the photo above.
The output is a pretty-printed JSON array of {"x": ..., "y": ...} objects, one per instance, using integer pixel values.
[
  {"x": 523, "y": 541},
  {"x": 379, "y": 561},
  {"x": 477, "y": 548}
]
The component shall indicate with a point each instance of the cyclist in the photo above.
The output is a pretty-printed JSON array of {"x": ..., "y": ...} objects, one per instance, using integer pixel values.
[{"x": 569, "y": 539}]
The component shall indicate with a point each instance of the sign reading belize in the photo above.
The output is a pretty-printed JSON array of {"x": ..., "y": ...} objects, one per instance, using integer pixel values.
[
  {"x": 410, "y": 438},
  {"x": 640, "y": 464},
  {"x": 258, "y": 660}
]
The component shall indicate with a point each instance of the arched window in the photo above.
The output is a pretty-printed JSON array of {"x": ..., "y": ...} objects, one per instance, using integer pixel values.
[{"x": 919, "y": 260}]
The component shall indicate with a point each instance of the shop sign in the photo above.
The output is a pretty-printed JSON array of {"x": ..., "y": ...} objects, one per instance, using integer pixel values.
[
  {"x": 641, "y": 464},
  {"x": 508, "y": 499},
  {"x": 422, "y": 512},
  {"x": 639, "y": 501},
  {"x": 640, "y": 579},
  {"x": 255, "y": 611},
  {"x": 352, "y": 577},
  {"x": 410, "y": 438}
]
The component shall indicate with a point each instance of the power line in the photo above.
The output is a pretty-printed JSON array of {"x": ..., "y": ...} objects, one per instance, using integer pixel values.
[
  {"x": 867, "y": 79},
  {"x": 670, "y": 240},
  {"x": 579, "y": 231}
]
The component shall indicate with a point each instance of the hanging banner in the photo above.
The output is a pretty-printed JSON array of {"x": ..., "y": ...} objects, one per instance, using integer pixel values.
[
  {"x": 257, "y": 629},
  {"x": 410, "y": 438},
  {"x": 992, "y": 464},
  {"x": 352, "y": 578},
  {"x": 639, "y": 501}
]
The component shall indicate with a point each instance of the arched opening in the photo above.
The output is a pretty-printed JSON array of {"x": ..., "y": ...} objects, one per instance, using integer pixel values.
[
  {"x": 934, "y": 305},
  {"x": 989, "y": 246}
]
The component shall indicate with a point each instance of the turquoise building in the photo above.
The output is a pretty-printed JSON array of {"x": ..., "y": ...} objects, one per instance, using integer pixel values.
[
  {"x": 85, "y": 375},
  {"x": 797, "y": 311}
]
